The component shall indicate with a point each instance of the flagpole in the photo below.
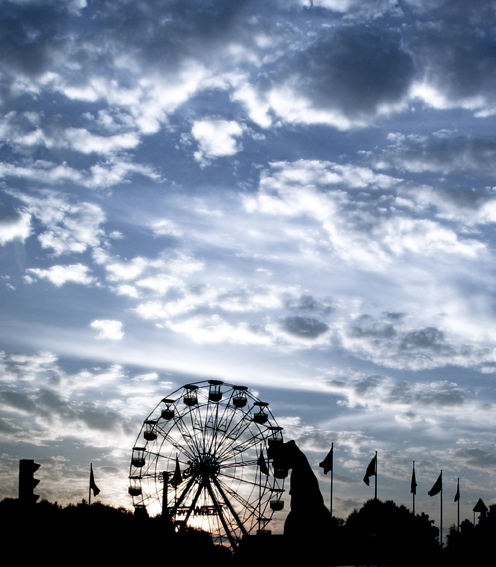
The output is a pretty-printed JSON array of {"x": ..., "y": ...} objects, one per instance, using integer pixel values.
[
  {"x": 414, "y": 491},
  {"x": 376, "y": 467},
  {"x": 441, "y": 530},
  {"x": 458, "y": 503},
  {"x": 89, "y": 492},
  {"x": 260, "y": 496},
  {"x": 332, "y": 475}
]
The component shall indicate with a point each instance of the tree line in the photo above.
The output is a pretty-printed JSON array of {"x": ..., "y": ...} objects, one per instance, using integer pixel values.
[{"x": 379, "y": 533}]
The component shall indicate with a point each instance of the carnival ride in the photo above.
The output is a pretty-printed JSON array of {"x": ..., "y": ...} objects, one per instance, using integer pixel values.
[{"x": 201, "y": 459}]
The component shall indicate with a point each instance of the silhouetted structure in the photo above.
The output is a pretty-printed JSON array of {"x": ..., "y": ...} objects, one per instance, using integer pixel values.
[
  {"x": 307, "y": 528},
  {"x": 27, "y": 482}
]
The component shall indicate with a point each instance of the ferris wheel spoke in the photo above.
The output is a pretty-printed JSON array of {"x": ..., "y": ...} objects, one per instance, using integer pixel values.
[
  {"x": 250, "y": 510},
  {"x": 235, "y": 434},
  {"x": 232, "y": 435},
  {"x": 212, "y": 427},
  {"x": 225, "y": 422},
  {"x": 190, "y": 438},
  {"x": 221, "y": 515},
  {"x": 184, "y": 493},
  {"x": 183, "y": 449},
  {"x": 229, "y": 505},
  {"x": 241, "y": 448},
  {"x": 243, "y": 480},
  {"x": 197, "y": 427},
  {"x": 194, "y": 501},
  {"x": 234, "y": 464}
]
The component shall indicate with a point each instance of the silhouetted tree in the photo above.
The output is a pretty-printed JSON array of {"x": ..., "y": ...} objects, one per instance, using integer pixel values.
[
  {"x": 474, "y": 543},
  {"x": 383, "y": 532},
  {"x": 100, "y": 534}
]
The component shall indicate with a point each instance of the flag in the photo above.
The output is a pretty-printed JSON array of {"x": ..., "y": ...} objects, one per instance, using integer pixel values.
[
  {"x": 326, "y": 464},
  {"x": 438, "y": 486},
  {"x": 262, "y": 464},
  {"x": 93, "y": 486},
  {"x": 371, "y": 470},
  {"x": 457, "y": 495},
  {"x": 177, "y": 478},
  {"x": 413, "y": 485}
]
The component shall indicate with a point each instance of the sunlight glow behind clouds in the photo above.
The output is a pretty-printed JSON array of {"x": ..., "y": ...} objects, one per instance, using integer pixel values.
[{"x": 296, "y": 195}]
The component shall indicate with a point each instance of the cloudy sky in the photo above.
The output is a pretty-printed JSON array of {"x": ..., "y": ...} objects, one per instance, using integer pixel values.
[{"x": 295, "y": 196}]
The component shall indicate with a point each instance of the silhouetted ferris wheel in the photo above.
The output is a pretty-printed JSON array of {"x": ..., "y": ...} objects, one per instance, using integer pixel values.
[{"x": 201, "y": 459}]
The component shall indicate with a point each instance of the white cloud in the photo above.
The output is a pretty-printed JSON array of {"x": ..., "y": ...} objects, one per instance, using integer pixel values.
[
  {"x": 17, "y": 367},
  {"x": 80, "y": 140},
  {"x": 128, "y": 290},
  {"x": 60, "y": 275},
  {"x": 106, "y": 174},
  {"x": 165, "y": 227},
  {"x": 15, "y": 227},
  {"x": 69, "y": 227},
  {"x": 257, "y": 105},
  {"x": 43, "y": 172},
  {"x": 216, "y": 138},
  {"x": 214, "y": 329},
  {"x": 356, "y": 231},
  {"x": 159, "y": 284},
  {"x": 109, "y": 329},
  {"x": 125, "y": 271}
]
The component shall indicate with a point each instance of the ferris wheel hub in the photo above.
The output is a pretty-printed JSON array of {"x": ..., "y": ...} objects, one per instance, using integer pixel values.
[{"x": 206, "y": 466}]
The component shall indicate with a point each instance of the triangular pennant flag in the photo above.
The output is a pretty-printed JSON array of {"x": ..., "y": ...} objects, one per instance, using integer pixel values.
[
  {"x": 326, "y": 464},
  {"x": 371, "y": 470},
  {"x": 457, "y": 495},
  {"x": 262, "y": 464},
  {"x": 413, "y": 484},
  {"x": 177, "y": 478},
  {"x": 438, "y": 486},
  {"x": 93, "y": 485}
]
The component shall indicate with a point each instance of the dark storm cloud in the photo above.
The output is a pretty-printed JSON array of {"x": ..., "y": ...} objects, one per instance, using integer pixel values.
[
  {"x": 48, "y": 404},
  {"x": 373, "y": 329},
  {"x": 7, "y": 428},
  {"x": 306, "y": 327},
  {"x": 30, "y": 36},
  {"x": 95, "y": 418},
  {"x": 163, "y": 33},
  {"x": 440, "y": 394},
  {"x": 307, "y": 303},
  {"x": 429, "y": 338},
  {"x": 383, "y": 391},
  {"x": 453, "y": 11},
  {"x": 17, "y": 401},
  {"x": 365, "y": 385},
  {"x": 444, "y": 152},
  {"x": 395, "y": 316},
  {"x": 477, "y": 458},
  {"x": 355, "y": 69},
  {"x": 459, "y": 60}
]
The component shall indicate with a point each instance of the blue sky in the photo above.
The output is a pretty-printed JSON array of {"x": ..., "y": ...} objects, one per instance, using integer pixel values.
[{"x": 295, "y": 196}]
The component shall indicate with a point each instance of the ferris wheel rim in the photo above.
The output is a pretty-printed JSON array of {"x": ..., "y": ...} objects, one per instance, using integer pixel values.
[{"x": 217, "y": 461}]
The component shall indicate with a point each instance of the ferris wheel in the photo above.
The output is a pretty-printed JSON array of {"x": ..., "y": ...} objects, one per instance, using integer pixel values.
[{"x": 201, "y": 460}]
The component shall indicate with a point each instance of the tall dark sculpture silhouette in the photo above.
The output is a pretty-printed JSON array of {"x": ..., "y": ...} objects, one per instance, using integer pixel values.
[{"x": 308, "y": 524}]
